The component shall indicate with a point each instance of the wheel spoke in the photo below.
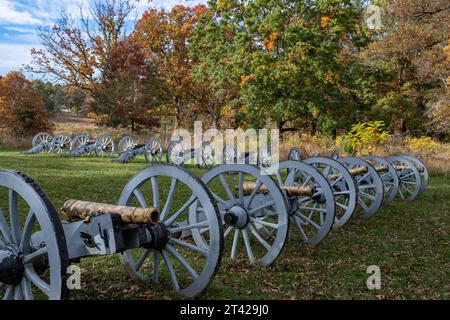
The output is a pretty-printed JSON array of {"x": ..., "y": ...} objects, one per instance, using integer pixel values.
[
  {"x": 183, "y": 262},
  {"x": 36, "y": 280},
  {"x": 226, "y": 187},
  {"x": 9, "y": 293},
  {"x": 36, "y": 254},
  {"x": 188, "y": 246},
  {"x": 169, "y": 201},
  {"x": 14, "y": 217},
  {"x": 156, "y": 266},
  {"x": 27, "y": 230},
  {"x": 235, "y": 243},
  {"x": 189, "y": 227},
  {"x": 186, "y": 205},
  {"x": 263, "y": 206},
  {"x": 367, "y": 196},
  {"x": 138, "y": 194},
  {"x": 306, "y": 219},
  {"x": 4, "y": 228},
  {"x": 363, "y": 205},
  {"x": 254, "y": 192},
  {"x": 300, "y": 228},
  {"x": 141, "y": 260},
  {"x": 26, "y": 289},
  {"x": 265, "y": 223},
  {"x": 259, "y": 238},
  {"x": 173, "y": 276},
  {"x": 155, "y": 189},
  {"x": 227, "y": 232},
  {"x": 248, "y": 247},
  {"x": 241, "y": 187},
  {"x": 18, "y": 294}
]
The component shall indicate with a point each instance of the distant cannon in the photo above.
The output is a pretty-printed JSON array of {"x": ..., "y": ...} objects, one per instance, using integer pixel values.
[
  {"x": 103, "y": 146},
  {"x": 129, "y": 149}
]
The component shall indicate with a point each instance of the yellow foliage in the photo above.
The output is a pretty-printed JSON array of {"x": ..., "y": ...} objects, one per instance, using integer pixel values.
[
  {"x": 422, "y": 144},
  {"x": 246, "y": 78},
  {"x": 363, "y": 138},
  {"x": 330, "y": 77},
  {"x": 224, "y": 4},
  {"x": 325, "y": 21},
  {"x": 271, "y": 43}
]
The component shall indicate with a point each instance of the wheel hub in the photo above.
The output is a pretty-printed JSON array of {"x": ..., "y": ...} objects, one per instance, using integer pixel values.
[
  {"x": 11, "y": 266},
  {"x": 237, "y": 217}
]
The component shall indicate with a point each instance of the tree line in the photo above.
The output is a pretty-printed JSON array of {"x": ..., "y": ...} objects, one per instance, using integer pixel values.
[{"x": 314, "y": 66}]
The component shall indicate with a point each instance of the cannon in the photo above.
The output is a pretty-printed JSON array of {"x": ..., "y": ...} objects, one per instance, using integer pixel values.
[
  {"x": 130, "y": 149},
  {"x": 204, "y": 156},
  {"x": 377, "y": 181},
  {"x": 145, "y": 228},
  {"x": 61, "y": 143},
  {"x": 42, "y": 142},
  {"x": 103, "y": 146},
  {"x": 257, "y": 206}
]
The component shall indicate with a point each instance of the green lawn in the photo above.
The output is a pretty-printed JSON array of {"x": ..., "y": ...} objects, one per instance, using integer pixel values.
[{"x": 408, "y": 241}]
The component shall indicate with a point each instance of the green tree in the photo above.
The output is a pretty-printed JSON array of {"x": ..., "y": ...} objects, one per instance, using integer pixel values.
[
  {"x": 288, "y": 61},
  {"x": 47, "y": 91}
]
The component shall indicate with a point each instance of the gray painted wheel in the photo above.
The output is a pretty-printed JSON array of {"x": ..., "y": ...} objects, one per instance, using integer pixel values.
[
  {"x": 370, "y": 186},
  {"x": 229, "y": 155},
  {"x": 175, "y": 153},
  {"x": 61, "y": 143},
  {"x": 313, "y": 215},
  {"x": 174, "y": 190},
  {"x": 409, "y": 176},
  {"x": 154, "y": 151},
  {"x": 260, "y": 220},
  {"x": 32, "y": 233},
  {"x": 343, "y": 186},
  {"x": 43, "y": 137},
  {"x": 295, "y": 154},
  {"x": 79, "y": 141},
  {"x": 424, "y": 174},
  {"x": 390, "y": 179},
  {"x": 126, "y": 144},
  {"x": 105, "y": 146},
  {"x": 265, "y": 157},
  {"x": 207, "y": 156}
]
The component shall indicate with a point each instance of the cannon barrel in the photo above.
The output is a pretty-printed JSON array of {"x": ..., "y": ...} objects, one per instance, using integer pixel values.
[
  {"x": 76, "y": 210},
  {"x": 248, "y": 188}
]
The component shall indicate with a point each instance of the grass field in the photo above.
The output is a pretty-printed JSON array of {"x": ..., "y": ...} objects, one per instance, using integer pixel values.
[{"x": 408, "y": 241}]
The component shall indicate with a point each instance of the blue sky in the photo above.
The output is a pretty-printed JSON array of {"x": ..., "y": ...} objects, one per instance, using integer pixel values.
[{"x": 19, "y": 20}]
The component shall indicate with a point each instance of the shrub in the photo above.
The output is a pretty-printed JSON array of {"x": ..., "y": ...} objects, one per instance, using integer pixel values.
[
  {"x": 363, "y": 138},
  {"x": 422, "y": 144}
]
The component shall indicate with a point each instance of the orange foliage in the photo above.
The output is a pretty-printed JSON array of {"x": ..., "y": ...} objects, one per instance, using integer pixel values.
[
  {"x": 22, "y": 110},
  {"x": 324, "y": 22},
  {"x": 271, "y": 43},
  {"x": 246, "y": 78}
]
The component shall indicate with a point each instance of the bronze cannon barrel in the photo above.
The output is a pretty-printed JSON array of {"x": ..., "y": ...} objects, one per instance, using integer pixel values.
[
  {"x": 354, "y": 172},
  {"x": 76, "y": 210},
  {"x": 248, "y": 188}
]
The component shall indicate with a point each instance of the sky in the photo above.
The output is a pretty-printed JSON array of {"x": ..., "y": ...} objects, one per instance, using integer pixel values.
[{"x": 20, "y": 19}]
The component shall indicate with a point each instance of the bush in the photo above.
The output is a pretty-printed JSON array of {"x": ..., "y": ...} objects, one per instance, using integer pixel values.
[
  {"x": 422, "y": 144},
  {"x": 363, "y": 138}
]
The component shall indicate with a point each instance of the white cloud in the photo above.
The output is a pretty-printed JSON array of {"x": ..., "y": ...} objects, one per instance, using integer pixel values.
[
  {"x": 14, "y": 56},
  {"x": 10, "y": 14}
]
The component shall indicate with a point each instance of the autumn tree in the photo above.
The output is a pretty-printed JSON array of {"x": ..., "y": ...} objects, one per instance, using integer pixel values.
[
  {"x": 76, "y": 52},
  {"x": 130, "y": 93},
  {"x": 165, "y": 36},
  {"x": 411, "y": 52},
  {"x": 22, "y": 110},
  {"x": 289, "y": 59}
]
